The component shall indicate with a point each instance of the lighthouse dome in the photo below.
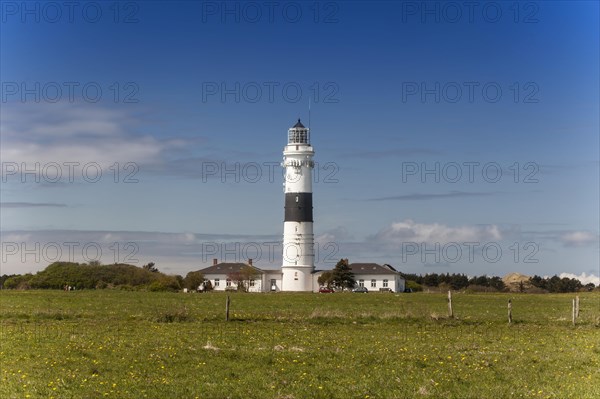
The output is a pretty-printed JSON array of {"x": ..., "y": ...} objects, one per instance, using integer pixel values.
[{"x": 299, "y": 125}]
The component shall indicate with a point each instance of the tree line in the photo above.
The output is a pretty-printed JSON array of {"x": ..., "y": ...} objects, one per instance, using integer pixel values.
[
  {"x": 94, "y": 275},
  {"x": 454, "y": 281},
  {"x": 557, "y": 284}
]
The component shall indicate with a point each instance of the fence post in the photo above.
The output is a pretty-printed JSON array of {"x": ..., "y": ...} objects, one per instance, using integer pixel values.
[
  {"x": 577, "y": 307},
  {"x": 573, "y": 312},
  {"x": 509, "y": 311},
  {"x": 227, "y": 309},
  {"x": 450, "y": 312}
]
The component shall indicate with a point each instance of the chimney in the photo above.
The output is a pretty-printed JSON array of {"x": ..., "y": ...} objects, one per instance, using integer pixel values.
[
  {"x": 215, "y": 261},
  {"x": 250, "y": 261}
]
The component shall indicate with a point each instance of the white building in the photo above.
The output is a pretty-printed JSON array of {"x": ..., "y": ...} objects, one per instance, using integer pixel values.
[
  {"x": 223, "y": 276},
  {"x": 377, "y": 277}
]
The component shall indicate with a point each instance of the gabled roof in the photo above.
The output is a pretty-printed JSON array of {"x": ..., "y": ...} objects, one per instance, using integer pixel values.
[
  {"x": 372, "y": 268},
  {"x": 392, "y": 268},
  {"x": 227, "y": 267}
]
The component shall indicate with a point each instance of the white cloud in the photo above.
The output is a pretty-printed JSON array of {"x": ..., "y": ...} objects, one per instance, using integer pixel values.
[
  {"x": 61, "y": 119},
  {"x": 578, "y": 238},
  {"x": 409, "y": 231},
  {"x": 110, "y": 237},
  {"x": 84, "y": 133},
  {"x": 189, "y": 237},
  {"x": 583, "y": 277}
]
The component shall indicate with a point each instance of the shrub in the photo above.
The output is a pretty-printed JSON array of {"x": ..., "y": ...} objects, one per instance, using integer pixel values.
[
  {"x": 413, "y": 285},
  {"x": 164, "y": 283},
  {"x": 19, "y": 282}
]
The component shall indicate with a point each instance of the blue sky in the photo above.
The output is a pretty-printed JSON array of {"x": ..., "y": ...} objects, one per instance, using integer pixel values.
[{"x": 190, "y": 100}]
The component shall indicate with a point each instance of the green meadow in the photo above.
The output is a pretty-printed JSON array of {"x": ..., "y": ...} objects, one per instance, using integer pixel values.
[{"x": 131, "y": 344}]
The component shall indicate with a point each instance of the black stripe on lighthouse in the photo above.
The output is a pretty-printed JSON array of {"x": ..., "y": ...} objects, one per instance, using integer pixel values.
[{"x": 298, "y": 207}]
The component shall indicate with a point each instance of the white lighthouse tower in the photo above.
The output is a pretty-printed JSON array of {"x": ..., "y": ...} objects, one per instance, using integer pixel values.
[{"x": 298, "y": 239}]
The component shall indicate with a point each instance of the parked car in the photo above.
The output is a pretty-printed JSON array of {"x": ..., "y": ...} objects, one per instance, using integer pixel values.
[
  {"x": 360, "y": 290},
  {"x": 325, "y": 290}
]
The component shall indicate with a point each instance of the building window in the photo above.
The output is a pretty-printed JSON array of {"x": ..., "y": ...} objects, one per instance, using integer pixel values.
[
  {"x": 252, "y": 283},
  {"x": 295, "y": 275},
  {"x": 216, "y": 282},
  {"x": 373, "y": 283},
  {"x": 385, "y": 283},
  {"x": 228, "y": 282},
  {"x": 361, "y": 283}
]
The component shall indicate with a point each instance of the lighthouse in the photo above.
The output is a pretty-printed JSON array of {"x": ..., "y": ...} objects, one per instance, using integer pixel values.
[{"x": 298, "y": 239}]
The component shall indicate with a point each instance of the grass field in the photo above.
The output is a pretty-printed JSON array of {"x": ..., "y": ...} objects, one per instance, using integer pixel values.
[{"x": 96, "y": 344}]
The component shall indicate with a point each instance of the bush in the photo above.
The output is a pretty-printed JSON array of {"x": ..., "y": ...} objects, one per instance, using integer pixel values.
[
  {"x": 192, "y": 280},
  {"x": 19, "y": 282},
  {"x": 101, "y": 285},
  {"x": 164, "y": 283},
  {"x": 413, "y": 285}
]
